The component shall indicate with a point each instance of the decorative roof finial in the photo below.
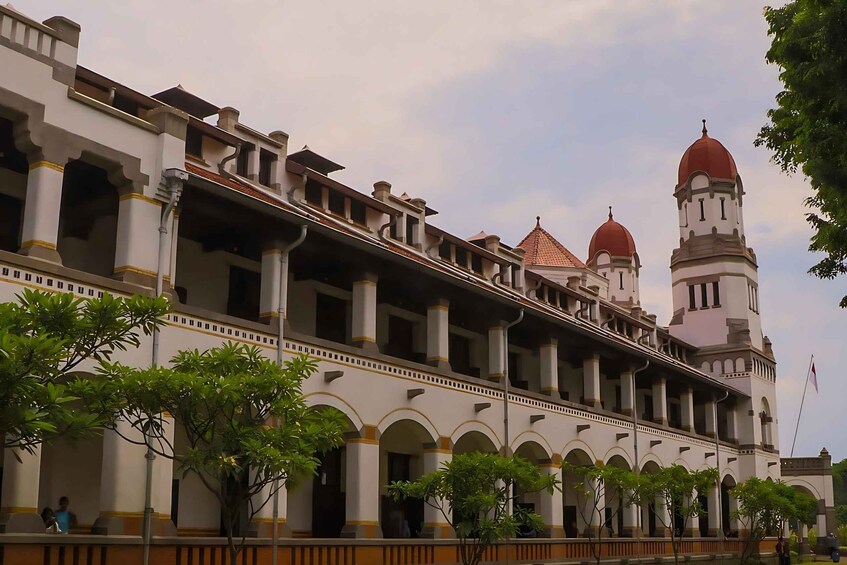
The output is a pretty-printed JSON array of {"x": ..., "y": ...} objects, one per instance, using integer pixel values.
[
  {"x": 705, "y": 131},
  {"x": 610, "y": 212},
  {"x": 538, "y": 221}
]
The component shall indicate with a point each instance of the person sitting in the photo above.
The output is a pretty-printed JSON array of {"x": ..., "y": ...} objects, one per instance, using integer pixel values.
[{"x": 50, "y": 524}]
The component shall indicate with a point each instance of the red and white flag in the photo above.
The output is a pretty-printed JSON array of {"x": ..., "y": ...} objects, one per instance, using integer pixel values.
[{"x": 813, "y": 376}]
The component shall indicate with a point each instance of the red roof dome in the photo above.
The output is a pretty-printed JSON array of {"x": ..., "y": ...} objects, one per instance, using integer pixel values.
[
  {"x": 612, "y": 238},
  {"x": 709, "y": 156}
]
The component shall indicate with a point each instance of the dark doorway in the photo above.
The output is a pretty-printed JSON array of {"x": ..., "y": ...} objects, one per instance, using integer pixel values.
[
  {"x": 704, "y": 515},
  {"x": 401, "y": 519},
  {"x": 331, "y": 318},
  {"x": 244, "y": 291},
  {"x": 401, "y": 338},
  {"x": 11, "y": 214},
  {"x": 571, "y": 525},
  {"x": 329, "y": 505}
]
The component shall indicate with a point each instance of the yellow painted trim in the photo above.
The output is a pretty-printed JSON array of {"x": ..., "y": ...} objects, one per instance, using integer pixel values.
[
  {"x": 364, "y": 282},
  {"x": 497, "y": 443},
  {"x": 437, "y": 525},
  {"x": 439, "y": 450},
  {"x": 269, "y": 314},
  {"x": 270, "y": 520},
  {"x": 439, "y": 307},
  {"x": 445, "y": 359},
  {"x": 404, "y": 409},
  {"x": 363, "y": 440},
  {"x": 365, "y": 339},
  {"x": 38, "y": 243},
  {"x": 122, "y": 514},
  {"x": 49, "y": 165},
  {"x": 344, "y": 402},
  {"x": 136, "y": 270},
  {"x": 549, "y": 389},
  {"x": 494, "y": 328},
  {"x": 137, "y": 196},
  {"x": 543, "y": 443},
  {"x": 18, "y": 510},
  {"x": 269, "y": 251},
  {"x": 361, "y": 523}
]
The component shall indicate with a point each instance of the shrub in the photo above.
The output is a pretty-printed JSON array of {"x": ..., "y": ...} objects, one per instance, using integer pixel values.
[{"x": 813, "y": 540}]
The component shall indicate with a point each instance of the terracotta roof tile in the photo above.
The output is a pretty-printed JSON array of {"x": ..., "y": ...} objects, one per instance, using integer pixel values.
[{"x": 544, "y": 250}]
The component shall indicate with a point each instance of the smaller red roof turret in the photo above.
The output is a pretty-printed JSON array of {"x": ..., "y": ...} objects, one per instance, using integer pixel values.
[
  {"x": 544, "y": 250},
  {"x": 613, "y": 238}
]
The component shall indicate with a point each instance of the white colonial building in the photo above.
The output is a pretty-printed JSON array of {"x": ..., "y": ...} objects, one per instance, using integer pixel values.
[{"x": 406, "y": 320}]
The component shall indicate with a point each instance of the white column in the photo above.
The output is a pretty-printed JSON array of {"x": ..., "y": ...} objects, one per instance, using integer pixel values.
[
  {"x": 550, "y": 368},
  {"x": 591, "y": 380},
  {"x": 137, "y": 245},
  {"x": 714, "y": 511},
  {"x": 173, "y": 233},
  {"x": 40, "y": 233},
  {"x": 550, "y": 506},
  {"x": 496, "y": 353},
  {"x": 122, "y": 478},
  {"x": 435, "y": 524},
  {"x": 630, "y": 521},
  {"x": 163, "y": 476},
  {"x": 363, "y": 486},
  {"x": 269, "y": 293},
  {"x": 263, "y": 522},
  {"x": 693, "y": 528},
  {"x": 711, "y": 423},
  {"x": 660, "y": 401},
  {"x": 663, "y": 520},
  {"x": 364, "y": 311},
  {"x": 438, "y": 333},
  {"x": 21, "y": 475},
  {"x": 594, "y": 516},
  {"x": 627, "y": 393},
  {"x": 686, "y": 402}
]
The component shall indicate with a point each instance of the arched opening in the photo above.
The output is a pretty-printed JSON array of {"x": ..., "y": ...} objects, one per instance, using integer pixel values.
[
  {"x": 801, "y": 527},
  {"x": 88, "y": 221},
  {"x": 766, "y": 420},
  {"x": 616, "y": 511},
  {"x": 13, "y": 178},
  {"x": 472, "y": 442},
  {"x": 72, "y": 469},
  {"x": 401, "y": 448},
  {"x": 530, "y": 502},
  {"x": 650, "y": 524},
  {"x": 574, "y": 516},
  {"x": 329, "y": 491},
  {"x": 728, "y": 504}
]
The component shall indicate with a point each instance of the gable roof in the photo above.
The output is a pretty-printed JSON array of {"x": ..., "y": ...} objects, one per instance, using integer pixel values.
[{"x": 544, "y": 250}]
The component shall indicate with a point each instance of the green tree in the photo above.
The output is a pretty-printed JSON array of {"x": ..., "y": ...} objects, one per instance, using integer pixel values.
[
  {"x": 44, "y": 338},
  {"x": 675, "y": 489},
  {"x": 807, "y": 129},
  {"x": 763, "y": 508},
  {"x": 474, "y": 491},
  {"x": 600, "y": 487},
  {"x": 247, "y": 425}
]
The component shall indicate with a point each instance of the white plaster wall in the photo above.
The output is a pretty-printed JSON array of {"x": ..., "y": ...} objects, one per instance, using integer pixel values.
[{"x": 72, "y": 469}]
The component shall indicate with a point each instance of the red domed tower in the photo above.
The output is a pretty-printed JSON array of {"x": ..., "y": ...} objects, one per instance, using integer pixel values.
[{"x": 612, "y": 254}]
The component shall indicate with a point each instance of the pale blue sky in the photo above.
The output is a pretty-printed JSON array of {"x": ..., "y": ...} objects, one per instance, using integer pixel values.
[{"x": 496, "y": 112}]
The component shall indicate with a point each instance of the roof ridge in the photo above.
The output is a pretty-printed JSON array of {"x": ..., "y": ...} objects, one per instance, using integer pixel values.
[{"x": 531, "y": 244}]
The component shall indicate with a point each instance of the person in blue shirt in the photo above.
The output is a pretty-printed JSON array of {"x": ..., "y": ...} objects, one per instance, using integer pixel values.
[{"x": 65, "y": 519}]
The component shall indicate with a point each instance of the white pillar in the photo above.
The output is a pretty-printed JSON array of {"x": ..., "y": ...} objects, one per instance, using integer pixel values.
[
  {"x": 550, "y": 505},
  {"x": 496, "y": 352},
  {"x": 438, "y": 333},
  {"x": 663, "y": 519},
  {"x": 693, "y": 527},
  {"x": 363, "y": 487},
  {"x": 714, "y": 511},
  {"x": 627, "y": 393},
  {"x": 173, "y": 233},
  {"x": 711, "y": 423},
  {"x": 732, "y": 422},
  {"x": 686, "y": 403},
  {"x": 660, "y": 401},
  {"x": 269, "y": 293},
  {"x": 263, "y": 522},
  {"x": 548, "y": 353},
  {"x": 591, "y": 380},
  {"x": 364, "y": 311},
  {"x": 122, "y": 479},
  {"x": 163, "y": 476},
  {"x": 435, "y": 524},
  {"x": 594, "y": 515},
  {"x": 137, "y": 245},
  {"x": 40, "y": 233},
  {"x": 630, "y": 521},
  {"x": 21, "y": 475}
]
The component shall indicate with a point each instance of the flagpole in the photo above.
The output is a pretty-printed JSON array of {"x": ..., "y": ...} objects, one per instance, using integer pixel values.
[{"x": 803, "y": 399}]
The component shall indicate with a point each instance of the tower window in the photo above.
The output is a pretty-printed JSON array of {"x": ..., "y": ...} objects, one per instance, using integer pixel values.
[
  {"x": 692, "y": 302},
  {"x": 716, "y": 294},
  {"x": 620, "y": 275},
  {"x": 704, "y": 296},
  {"x": 723, "y": 208},
  {"x": 702, "y": 211}
]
